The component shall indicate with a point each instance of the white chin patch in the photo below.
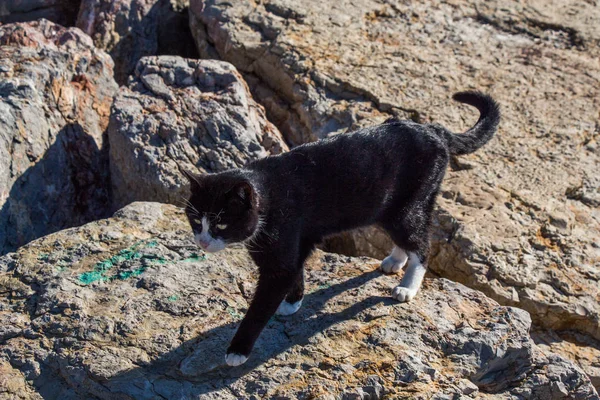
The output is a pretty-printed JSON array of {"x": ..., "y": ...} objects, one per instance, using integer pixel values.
[
  {"x": 233, "y": 359},
  {"x": 216, "y": 245},
  {"x": 208, "y": 243}
]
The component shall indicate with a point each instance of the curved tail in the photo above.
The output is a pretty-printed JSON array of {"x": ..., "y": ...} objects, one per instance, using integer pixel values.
[{"x": 483, "y": 130}]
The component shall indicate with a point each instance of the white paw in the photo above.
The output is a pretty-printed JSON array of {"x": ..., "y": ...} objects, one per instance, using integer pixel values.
[
  {"x": 391, "y": 265},
  {"x": 403, "y": 294},
  {"x": 286, "y": 308},
  {"x": 233, "y": 359},
  {"x": 395, "y": 261}
]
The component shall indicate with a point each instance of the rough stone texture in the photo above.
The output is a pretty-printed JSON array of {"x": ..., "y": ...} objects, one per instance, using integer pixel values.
[
  {"x": 582, "y": 349},
  {"x": 127, "y": 308},
  {"x": 182, "y": 113},
  {"x": 519, "y": 219},
  {"x": 55, "y": 96},
  {"x": 63, "y": 12},
  {"x": 129, "y": 30}
]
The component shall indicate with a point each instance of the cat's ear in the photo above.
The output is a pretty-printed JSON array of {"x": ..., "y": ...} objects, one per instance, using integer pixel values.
[
  {"x": 244, "y": 191},
  {"x": 195, "y": 181}
]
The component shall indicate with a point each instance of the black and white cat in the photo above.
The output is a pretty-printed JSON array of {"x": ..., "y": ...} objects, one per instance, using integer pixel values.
[{"x": 281, "y": 206}]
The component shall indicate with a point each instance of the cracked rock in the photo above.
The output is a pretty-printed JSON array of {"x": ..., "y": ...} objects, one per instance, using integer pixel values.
[
  {"x": 128, "y": 307},
  {"x": 56, "y": 89},
  {"x": 182, "y": 113}
]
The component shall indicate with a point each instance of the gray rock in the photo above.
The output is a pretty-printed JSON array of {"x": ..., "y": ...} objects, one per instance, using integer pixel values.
[
  {"x": 55, "y": 96},
  {"x": 573, "y": 346},
  {"x": 63, "y": 12},
  {"x": 129, "y": 30},
  {"x": 129, "y": 308},
  {"x": 518, "y": 219},
  {"x": 182, "y": 113}
]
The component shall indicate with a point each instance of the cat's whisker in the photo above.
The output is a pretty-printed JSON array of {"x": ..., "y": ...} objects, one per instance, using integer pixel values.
[
  {"x": 182, "y": 204},
  {"x": 185, "y": 200},
  {"x": 191, "y": 206}
]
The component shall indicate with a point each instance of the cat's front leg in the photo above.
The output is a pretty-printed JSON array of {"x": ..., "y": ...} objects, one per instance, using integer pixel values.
[
  {"x": 270, "y": 292},
  {"x": 293, "y": 301}
]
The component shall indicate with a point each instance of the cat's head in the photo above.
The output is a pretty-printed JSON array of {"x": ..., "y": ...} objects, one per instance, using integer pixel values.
[{"x": 222, "y": 209}]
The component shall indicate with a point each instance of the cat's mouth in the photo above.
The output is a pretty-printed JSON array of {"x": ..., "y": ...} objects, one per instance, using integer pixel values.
[{"x": 209, "y": 244}]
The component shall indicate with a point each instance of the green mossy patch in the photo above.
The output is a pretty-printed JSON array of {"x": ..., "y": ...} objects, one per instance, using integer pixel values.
[{"x": 102, "y": 269}]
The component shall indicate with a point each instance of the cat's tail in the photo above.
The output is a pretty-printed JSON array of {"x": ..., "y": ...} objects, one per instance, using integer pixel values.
[{"x": 483, "y": 130}]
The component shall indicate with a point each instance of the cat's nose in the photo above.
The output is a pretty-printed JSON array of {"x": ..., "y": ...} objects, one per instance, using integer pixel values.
[{"x": 202, "y": 243}]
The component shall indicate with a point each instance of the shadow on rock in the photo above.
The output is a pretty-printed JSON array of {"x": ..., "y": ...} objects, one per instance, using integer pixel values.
[
  {"x": 68, "y": 186},
  {"x": 198, "y": 366}
]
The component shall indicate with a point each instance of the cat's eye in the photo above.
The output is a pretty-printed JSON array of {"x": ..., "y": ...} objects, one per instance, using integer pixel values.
[
  {"x": 221, "y": 226},
  {"x": 197, "y": 221}
]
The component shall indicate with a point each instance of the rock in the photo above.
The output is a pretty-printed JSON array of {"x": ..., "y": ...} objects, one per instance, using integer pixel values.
[
  {"x": 55, "y": 95},
  {"x": 519, "y": 218},
  {"x": 129, "y": 30},
  {"x": 62, "y": 12},
  {"x": 305, "y": 103},
  {"x": 129, "y": 308},
  {"x": 582, "y": 349},
  {"x": 371, "y": 241},
  {"x": 182, "y": 113}
]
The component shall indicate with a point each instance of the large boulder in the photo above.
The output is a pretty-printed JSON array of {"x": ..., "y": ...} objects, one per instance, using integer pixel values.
[
  {"x": 518, "y": 219},
  {"x": 181, "y": 113},
  {"x": 131, "y": 29},
  {"x": 128, "y": 308},
  {"x": 56, "y": 89},
  {"x": 63, "y": 12}
]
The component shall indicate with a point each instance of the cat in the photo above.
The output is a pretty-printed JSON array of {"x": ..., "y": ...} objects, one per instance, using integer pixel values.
[{"x": 281, "y": 206}]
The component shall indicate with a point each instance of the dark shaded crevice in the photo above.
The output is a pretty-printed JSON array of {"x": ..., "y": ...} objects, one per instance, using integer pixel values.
[
  {"x": 64, "y": 13},
  {"x": 534, "y": 29},
  {"x": 162, "y": 30},
  {"x": 174, "y": 34}
]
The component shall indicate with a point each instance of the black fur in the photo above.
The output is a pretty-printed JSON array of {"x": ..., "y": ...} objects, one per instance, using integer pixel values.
[{"x": 388, "y": 175}]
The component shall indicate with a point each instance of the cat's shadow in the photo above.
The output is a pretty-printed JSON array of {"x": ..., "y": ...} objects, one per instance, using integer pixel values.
[{"x": 198, "y": 366}]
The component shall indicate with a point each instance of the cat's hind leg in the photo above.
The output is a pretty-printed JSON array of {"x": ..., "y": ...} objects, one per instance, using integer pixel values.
[
  {"x": 411, "y": 280},
  {"x": 410, "y": 232},
  {"x": 412, "y": 236},
  {"x": 408, "y": 217},
  {"x": 395, "y": 261}
]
